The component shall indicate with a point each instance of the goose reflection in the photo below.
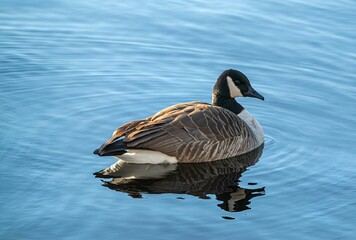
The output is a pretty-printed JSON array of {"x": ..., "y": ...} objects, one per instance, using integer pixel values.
[{"x": 198, "y": 179}]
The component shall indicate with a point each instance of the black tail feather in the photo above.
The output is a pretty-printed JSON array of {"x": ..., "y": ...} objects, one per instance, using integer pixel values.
[{"x": 117, "y": 147}]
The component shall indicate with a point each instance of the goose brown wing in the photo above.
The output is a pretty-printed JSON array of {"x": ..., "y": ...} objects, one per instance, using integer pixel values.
[
  {"x": 152, "y": 123},
  {"x": 192, "y": 132}
]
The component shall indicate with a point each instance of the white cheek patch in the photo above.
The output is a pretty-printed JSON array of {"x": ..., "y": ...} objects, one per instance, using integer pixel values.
[{"x": 234, "y": 91}]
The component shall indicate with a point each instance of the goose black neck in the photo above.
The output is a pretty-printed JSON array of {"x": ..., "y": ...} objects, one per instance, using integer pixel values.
[{"x": 228, "y": 103}]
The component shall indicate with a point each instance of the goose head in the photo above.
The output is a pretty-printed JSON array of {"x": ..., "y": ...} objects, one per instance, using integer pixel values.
[{"x": 232, "y": 83}]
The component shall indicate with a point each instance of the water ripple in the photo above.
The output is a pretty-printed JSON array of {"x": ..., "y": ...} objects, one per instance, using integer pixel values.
[{"x": 73, "y": 71}]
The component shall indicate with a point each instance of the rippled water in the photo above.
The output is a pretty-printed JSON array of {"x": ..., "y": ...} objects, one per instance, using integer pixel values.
[{"x": 73, "y": 71}]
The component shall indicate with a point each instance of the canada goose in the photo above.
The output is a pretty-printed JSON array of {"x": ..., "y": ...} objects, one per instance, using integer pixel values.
[{"x": 194, "y": 131}]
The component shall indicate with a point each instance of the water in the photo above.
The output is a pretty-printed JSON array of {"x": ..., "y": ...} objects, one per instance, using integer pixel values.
[{"x": 73, "y": 71}]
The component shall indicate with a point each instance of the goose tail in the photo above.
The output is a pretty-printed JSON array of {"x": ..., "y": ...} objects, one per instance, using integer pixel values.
[{"x": 116, "y": 147}]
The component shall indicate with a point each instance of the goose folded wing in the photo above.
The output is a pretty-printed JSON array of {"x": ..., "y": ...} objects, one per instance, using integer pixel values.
[{"x": 194, "y": 130}]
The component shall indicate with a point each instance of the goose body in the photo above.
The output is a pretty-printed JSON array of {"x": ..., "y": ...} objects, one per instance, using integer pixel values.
[{"x": 194, "y": 131}]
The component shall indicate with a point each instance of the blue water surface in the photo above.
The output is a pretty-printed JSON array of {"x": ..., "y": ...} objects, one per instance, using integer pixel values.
[{"x": 71, "y": 72}]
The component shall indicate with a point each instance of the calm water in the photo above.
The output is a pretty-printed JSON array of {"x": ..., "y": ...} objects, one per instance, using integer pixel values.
[{"x": 73, "y": 71}]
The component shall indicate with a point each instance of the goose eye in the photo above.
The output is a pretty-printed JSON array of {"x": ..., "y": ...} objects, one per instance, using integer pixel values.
[{"x": 243, "y": 87}]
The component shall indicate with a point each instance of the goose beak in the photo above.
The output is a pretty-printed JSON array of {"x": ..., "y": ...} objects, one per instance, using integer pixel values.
[{"x": 253, "y": 93}]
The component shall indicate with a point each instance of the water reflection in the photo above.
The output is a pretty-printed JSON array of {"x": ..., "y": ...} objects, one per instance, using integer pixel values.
[{"x": 199, "y": 179}]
